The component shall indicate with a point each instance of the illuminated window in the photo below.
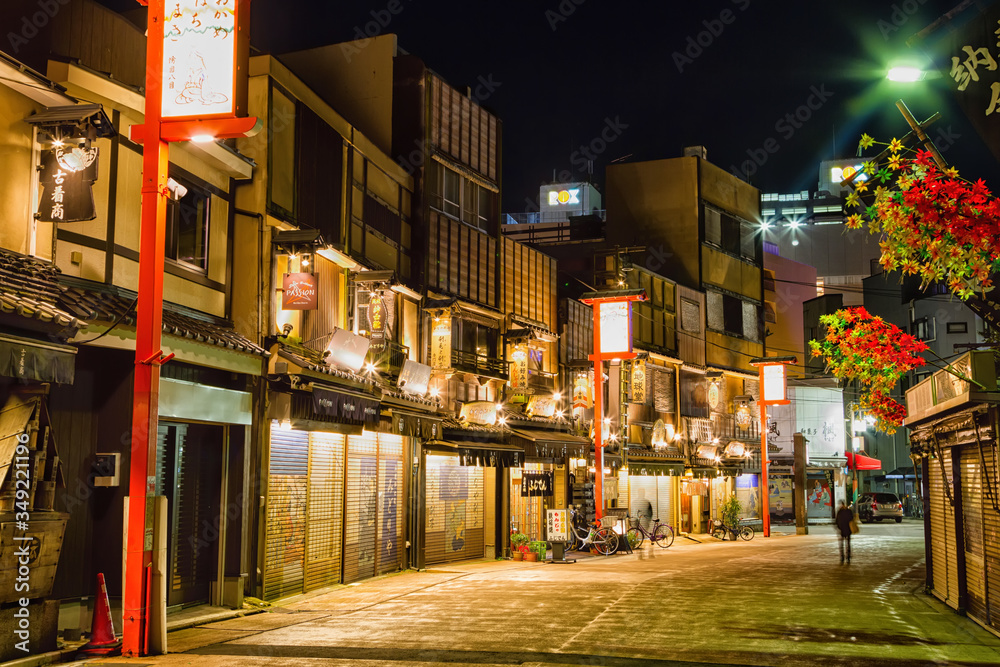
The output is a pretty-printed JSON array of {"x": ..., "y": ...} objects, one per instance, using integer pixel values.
[{"x": 958, "y": 327}]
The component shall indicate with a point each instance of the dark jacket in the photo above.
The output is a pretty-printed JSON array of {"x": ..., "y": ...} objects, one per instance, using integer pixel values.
[{"x": 844, "y": 517}]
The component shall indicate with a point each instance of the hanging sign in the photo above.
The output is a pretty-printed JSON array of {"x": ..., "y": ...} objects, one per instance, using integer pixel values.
[
  {"x": 377, "y": 320},
  {"x": 67, "y": 177},
  {"x": 483, "y": 413},
  {"x": 582, "y": 395},
  {"x": 713, "y": 395},
  {"x": 536, "y": 484},
  {"x": 557, "y": 524},
  {"x": 743, "y": 416},
  {"x": 346, "y": 407},
  {"x": 299, "y": 292},
  {"x": 519, "y": 368},
  {"x": 441, "y": 341},
  {"x": 204, "y": 58},
  {"x": 639, "y": 381},
  {"x": 541, "y": 406},
  {"x": 616, "y": 327}
]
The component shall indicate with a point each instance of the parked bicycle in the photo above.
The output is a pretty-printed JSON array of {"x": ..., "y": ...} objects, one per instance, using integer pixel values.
[
  {"x": 661, "y": 534},
  {"x": 742, "y": 531},
  {"x": 602, "y": 540}
]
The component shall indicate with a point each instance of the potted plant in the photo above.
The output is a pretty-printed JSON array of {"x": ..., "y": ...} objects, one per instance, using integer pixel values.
[
  {"x": 529, "y": 555},
  {"x": 539, "y": 548},
  {"x": 729, "y": 512},
  {"x": 518, "y": 540}
]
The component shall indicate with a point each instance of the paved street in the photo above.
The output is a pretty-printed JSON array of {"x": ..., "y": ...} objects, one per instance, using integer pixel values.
[{"x": 781, "y": 601}]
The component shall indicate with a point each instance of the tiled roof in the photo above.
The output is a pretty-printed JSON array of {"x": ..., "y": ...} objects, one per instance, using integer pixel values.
[
  {"x": 30, "y": 287},
  {"x": 109, "y": 306}
]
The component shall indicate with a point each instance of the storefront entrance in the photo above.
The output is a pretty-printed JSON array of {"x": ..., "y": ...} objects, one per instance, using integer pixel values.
[
  {"x": 189, "y": 474},
  {"x": 455, "y": 511}
]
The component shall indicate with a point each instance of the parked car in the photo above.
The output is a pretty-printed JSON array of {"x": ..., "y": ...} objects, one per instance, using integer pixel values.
[{"x": 878, "y": 506}]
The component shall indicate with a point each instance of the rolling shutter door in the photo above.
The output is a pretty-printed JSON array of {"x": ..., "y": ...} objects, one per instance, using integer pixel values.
[
  {"x": 950, "y": 544},
  {"x": 939, "y": 533},
  {"x": 991, "y": 548},
  {"x": 361, "y": 507},
  {"x": 390, "y": 502},
  {"x": 972, "y": 524},
  {"x": 324, "y": 510},
  {"x": 658, "y": 490},
  {"x": 286, "y": 513},
  {"x": 454, "y": 515},
  {"x": 665, "y": 499}
]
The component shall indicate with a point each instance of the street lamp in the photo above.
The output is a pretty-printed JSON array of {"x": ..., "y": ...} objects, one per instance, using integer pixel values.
[{"x": 905, "y": 74}]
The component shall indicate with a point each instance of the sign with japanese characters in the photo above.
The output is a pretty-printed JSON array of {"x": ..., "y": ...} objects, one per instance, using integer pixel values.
[
  {"x": 441, "y": 341},
  {"x": 483, "y": 413},
  {"x": 970, "y": 59},
  {"x": 299, "y": 292},
  {"x": 204, "y": 49},
  {"x": 67, "y": 177},
  {"x": 582, "y": 391},
  {"x": 557, "y": 525},
  {"x": 519, "y": 368},
  {"x": 541, "y": 406},
  {"x": 639, "y": 381},
  {"x": 616, "y": 327},
  {"x": 536, "y": 484},
  {"x": 380, "y": 310}
]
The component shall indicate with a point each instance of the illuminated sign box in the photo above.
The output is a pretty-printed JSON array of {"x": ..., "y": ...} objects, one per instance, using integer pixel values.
[
  {"x": 772, "y": 389},
  {"x": 205, "y": 57},
  {"x": 616, "y": 327}
]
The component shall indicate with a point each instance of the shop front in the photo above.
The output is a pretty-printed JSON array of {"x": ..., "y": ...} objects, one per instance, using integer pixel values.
[
  {"x": 463, "y": 499},
  {"x": 337, "y": 484},
  {"x": 544, "y": 481},
  {"x": 649, "y": 487}
]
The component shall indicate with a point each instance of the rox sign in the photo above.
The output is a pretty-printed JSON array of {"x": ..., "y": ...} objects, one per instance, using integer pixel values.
[{"x": 563, "y": 197}]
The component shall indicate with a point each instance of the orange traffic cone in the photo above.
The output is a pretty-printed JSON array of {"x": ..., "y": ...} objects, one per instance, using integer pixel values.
[{"x": 102, "y": 630}]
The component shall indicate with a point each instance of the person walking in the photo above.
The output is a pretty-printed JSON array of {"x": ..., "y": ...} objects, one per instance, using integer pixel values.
[{"x": 845, "y": 517}]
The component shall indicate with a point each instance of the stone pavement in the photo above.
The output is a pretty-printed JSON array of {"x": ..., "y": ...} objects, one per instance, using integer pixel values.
[{"x": 778, "y": 601}]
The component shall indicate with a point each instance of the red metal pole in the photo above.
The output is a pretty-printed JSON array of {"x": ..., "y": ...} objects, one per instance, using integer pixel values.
[
  {"x": 765, "y": 509},
  {"x": 598, "y": 416},
  {"x": 147, "y": 342}
]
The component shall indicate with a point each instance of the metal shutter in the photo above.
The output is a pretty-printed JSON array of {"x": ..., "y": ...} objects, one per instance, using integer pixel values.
[
  {"x": 659, "y": 491},
  {"x": 324, "y": 510},
  {"x": 454, "y": 515},
  {"x": 361, "y": 507},
  {"x": 526, "y": 512},
  {"x": 972, "y": 524},
  {"x": 991, "y": 547},
  {"x": 945, "y": 568},
  {"x": 286, "y": 513},
  {"x": 390, "y": 502},
  {"x": 665, "y": 499}
]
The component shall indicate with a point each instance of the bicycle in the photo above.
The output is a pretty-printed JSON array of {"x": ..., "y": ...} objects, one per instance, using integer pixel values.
[
  {"x": 661, "y": 535},
  {"x": 721, "y": 530},
  {"x": 603, "y": 540}
]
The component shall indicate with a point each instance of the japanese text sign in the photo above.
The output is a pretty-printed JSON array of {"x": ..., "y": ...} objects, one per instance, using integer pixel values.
[
  {"x": 772, "y": 383},
  {"x": 203, "y": 46},
  {"x": 557, "y": 524}
]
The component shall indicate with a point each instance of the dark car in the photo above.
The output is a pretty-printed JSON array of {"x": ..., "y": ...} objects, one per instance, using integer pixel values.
[{"x": 878, "y": 506}]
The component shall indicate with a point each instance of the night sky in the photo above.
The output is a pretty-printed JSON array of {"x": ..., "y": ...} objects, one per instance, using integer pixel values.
[{"x": 655, "y": 77}]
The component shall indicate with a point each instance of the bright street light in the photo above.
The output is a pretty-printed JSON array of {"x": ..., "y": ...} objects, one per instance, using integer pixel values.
[{"x": 905, "y": 74}]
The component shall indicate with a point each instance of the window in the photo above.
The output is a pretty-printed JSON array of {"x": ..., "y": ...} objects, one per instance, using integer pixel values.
[
  {"x": 473, "y": 338},
  {"x": 958, "y": 327},
  {"x": 690, "y": 316},
  {"x": 923, "y": 329},
  {"x": 461, "y": 198},
  {"x": 733, "y": 316},
  {"x": 187, "y": 227},
  {"x": 728, "y": 232},
  {"x": 452, "y": 192}
]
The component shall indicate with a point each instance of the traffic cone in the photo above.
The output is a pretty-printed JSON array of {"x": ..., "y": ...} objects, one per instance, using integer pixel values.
[{"x": 102, "y": 630}]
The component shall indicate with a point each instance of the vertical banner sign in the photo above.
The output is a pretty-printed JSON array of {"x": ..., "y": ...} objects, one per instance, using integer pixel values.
[
  {"x": 377, "y": 321},
  {"x": 773, "y": 385},
  {"x": 639, "y": 381},
  {"x": 67, "y": 177},
  {"x": 299, "y": 292},
  {"x": 616, "y": 327},
  {"x": 519, "y": 368},
  {"x": 441, "y": 341},
  {"x": 202, "y": 52}
]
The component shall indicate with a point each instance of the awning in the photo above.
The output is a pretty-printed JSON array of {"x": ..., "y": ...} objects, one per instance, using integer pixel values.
[
  {"x": 666, "y": 468},
  {"x": 543, "y": 444},
  {"x": 30, "y": 359},
  {"x": 415, "y": 425},
  {"x": 862, "y": 462},
  {"x": 349, "y": 408},
  {"x": 486, "y": 454}
]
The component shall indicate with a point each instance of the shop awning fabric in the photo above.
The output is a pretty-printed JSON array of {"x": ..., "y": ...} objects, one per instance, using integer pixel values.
[
  {"x": 862, "y": 462},
  {"x": 668, "y": 468},
  {"x": 349, "y": 408},
  {"x": 28, "y": 359},
  {"x": 539, "y": 443},
  {"x": 487, "y": 454}
]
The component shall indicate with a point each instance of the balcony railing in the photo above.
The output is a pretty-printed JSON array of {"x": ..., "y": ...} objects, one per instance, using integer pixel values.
[
  {"x": 389, "y": 360},
  {"x": 479, "y": 364}
]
